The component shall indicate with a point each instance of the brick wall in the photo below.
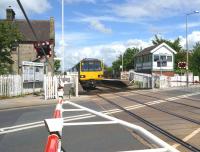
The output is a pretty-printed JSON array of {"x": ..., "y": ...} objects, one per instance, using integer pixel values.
[
  {"x": 166, "y": 73},
  {"x": 26, "y": 52}
]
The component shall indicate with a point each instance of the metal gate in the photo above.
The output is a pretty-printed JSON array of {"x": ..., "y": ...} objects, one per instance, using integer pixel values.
[{"x": 51, "y": 84}]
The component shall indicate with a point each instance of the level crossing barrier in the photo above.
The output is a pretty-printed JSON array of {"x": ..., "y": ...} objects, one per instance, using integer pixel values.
[{"x": 56, "y": 124}]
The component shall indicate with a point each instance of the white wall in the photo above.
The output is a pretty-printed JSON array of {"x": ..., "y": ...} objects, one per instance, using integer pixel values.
[{"x": 163, "y": 51}]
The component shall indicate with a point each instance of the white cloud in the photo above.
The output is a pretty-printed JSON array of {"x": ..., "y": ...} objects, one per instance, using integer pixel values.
[
  {"x": 97, "y": 25},
  {"x": 69, "y": 40},
  {"x": 80, "y": 1},
  {"x": 153, "y": 9},
  {"x": 87, "y": 18},
  {"x": 190, "y": 25},
  {"x": 193, "y": 38},
  {"x": 30, "y": 6},
  {"x": 108, "y": 52}
]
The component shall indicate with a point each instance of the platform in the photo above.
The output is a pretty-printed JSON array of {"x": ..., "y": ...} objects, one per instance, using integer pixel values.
[{"x": 116, "y": 82}]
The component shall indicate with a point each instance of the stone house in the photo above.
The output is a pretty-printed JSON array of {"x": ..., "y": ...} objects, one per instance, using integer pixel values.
[
  {"x": 157, "y": 59},
  {"x": 25, "y": 50}
]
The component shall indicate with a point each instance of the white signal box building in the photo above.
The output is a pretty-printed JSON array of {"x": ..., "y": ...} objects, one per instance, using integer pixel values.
[{"x": 157, "y": 59}]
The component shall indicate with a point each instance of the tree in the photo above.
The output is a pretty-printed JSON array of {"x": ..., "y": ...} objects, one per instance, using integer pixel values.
[
  {"x": 173, "y": 44},
  {"x": 9, "y": 36},
  {"x": 128, "y": 60},
  {"x": 195, "y": 60},
  {"x": 57, "y": 66}
]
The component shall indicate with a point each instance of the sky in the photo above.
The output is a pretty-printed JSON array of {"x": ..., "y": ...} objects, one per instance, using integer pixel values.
[{"x": 105, "y": 28}]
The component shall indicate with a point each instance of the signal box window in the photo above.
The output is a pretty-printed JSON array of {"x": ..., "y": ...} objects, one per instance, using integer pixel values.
[
  {"x": 169, "y": 58},
  {"x": 161, "y": 63},
  {"x": 156, "y": 58}
]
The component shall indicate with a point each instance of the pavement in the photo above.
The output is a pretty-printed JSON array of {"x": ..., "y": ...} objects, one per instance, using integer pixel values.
[{"x": 25, "y": 101}]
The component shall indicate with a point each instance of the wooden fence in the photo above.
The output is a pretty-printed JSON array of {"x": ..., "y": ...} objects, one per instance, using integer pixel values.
[{"x": 10, "y": 85}]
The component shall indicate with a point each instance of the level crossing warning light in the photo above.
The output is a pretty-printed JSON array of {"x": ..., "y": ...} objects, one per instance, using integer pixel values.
[
  {"x": 182, "y": 65},
  {"x": 43, "y": 47}
]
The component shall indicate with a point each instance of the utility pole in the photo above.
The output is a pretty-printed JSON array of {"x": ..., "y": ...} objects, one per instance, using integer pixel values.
[
  {"x": 186, "y": 33},
  {"x": 122, "y": 62},
  {"x": 63, "y": 46}
]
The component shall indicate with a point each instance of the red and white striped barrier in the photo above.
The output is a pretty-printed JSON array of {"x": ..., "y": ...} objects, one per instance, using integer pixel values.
[
  {"x": 58, "y": 111},
  {"x": 54, "y": 139},
  {"x": 56, "y": 125},
  {"x": 52, "y": 144}
]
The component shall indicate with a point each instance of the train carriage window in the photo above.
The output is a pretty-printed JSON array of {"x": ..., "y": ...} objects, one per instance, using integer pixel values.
[
  {"x": 84, "y": 66},
  {"x": 91, "y": 66}
]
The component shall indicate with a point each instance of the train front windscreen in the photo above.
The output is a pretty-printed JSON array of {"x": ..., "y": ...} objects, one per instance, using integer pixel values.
[{"x": 91, "y": 66}]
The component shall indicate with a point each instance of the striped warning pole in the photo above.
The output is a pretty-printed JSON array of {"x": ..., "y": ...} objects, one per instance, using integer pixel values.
[
  {"x": 58, "y": 111},
  {"x": 54, "y": 139},
  {"x": 52, "y": 143}
]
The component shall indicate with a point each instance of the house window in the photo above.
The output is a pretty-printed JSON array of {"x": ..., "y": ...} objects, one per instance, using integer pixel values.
[
  {"x": 147, "y": 58},
  {"x": 169, "y": 58},
  {"x": 156, "y": 58},
  {"x": 163, "y": 58},
  {"x": 162, "y": 63}
]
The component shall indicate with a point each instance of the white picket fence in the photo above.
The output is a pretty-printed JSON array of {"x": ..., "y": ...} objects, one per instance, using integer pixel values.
[
  {"x": 10, "y": 85},
  {"x": 51, "y": 84},
  {"x": 177, "y": 81},
  {"x": 50, "y": 87},
  {"x": 143, "y": 80}
]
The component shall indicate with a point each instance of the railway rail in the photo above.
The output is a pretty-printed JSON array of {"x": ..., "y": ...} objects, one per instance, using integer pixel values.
[
  {"x": 167, "y": 100},
  {"x": 154, "y": 126},
  {"x": 185, "y": 98},
  {"x": 162, "y": 110}
]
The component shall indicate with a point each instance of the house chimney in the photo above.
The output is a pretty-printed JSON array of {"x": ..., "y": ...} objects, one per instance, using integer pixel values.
[{"x": 10, "y": 14}]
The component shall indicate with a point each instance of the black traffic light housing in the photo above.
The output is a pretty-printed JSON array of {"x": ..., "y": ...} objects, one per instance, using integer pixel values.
[
  {"x": 182, "y": 65},
  {"x": 41, "y": 48}
]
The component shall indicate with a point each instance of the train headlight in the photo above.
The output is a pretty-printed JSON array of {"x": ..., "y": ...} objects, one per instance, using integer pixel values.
[
  {"x": 82, "y": 76},
  {"x": 100, "y": 76}
]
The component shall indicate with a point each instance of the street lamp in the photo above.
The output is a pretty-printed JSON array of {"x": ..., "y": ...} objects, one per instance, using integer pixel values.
[
  {"x": 122, "y": 62},
  {"x": 63, "y": 45},
  {"x": 194, "y": 12}
]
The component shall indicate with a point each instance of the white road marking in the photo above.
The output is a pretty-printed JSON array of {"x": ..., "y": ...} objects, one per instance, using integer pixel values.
[
  {"x": 188, "y": 137},
  {"x": 85, "y": 116}
]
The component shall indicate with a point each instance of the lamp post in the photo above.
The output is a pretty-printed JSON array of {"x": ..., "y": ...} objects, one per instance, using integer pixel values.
[
  {"x": 122, "y": 62},
  {"x": 63, "y": 46},
  {"x": 187, "y": 59}
]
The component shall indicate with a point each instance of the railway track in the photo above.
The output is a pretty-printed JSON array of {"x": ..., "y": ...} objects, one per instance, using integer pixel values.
[
  {"x": 186, "y": 98},
  {"x": 191, "y": 106},
  {"x": 154, "y": 126},
  {"x": 162, "y": 110}
]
